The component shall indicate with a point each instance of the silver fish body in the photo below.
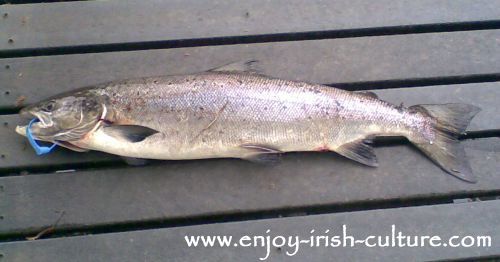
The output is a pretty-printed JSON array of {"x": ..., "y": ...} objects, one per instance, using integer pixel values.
[
  {"x": 215, "y": 115},
  {"x": 247, "y": 115}
]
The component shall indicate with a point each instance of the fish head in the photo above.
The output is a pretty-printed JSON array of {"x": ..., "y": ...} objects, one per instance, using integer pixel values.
[{"x": 64, "y": 118}]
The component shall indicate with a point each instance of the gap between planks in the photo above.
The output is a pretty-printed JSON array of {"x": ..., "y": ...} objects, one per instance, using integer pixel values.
[
  {"x": 418, "y": 201},
  {"x": 251, "y": 39}
]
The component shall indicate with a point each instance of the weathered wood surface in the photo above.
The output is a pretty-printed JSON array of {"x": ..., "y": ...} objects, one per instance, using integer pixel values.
[
  {"x": 181, "y": 189},
  {"x": 321, "y": 61},
  {"x": 222, "y": 189},
  {"x": 101, "y": 22},
  {"x": 17, "y": 153},
  {"x": 467, "y": 219}
]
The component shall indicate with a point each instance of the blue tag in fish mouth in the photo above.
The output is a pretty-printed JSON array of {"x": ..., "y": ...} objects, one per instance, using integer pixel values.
[{"x": 40, "y": 150}]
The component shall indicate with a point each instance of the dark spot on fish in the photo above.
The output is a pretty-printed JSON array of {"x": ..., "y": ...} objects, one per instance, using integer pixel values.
[
  {"x": 138, "y": 93},
  {"x": 337, "y": 103},
  {"x": 265, "y": 108},
  {"x": 187, "y": 80},
  {"x": 239, "y": 81},
  {"x": 221, "y": 132},
  {"x": 156, "y": 82},
  {"x": 11, "y": 41},
  {"x": 309, "y": 117},
  {"x": 201, "y": 108},
  {"x": 169, "y": 83},
  {"x": 7, "y": 66},
  {"x": 7, "y": 93},
  {"x": 247, "y": 14},
  {"x": 284, "y": 107},
  {"x": 317, "y": 91}
]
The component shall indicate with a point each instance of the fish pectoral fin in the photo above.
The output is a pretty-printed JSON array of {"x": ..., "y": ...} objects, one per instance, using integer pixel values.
[
  {"x": 70, "y": 146},
  {"x": 132, "y": 161},
  {"x": 367, "y": 94},
  {"x": 248, "y": 66},
  {"x": 129, "y": 133},
  {"x": 360, "y": 151},
  {"x": 263, "y": 154}
]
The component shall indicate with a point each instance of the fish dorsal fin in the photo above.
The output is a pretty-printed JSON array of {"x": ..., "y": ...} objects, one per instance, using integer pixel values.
[
  {"x": 367, "y": 94},
  {"x": 359, "y": 150},
  {"x": 129, "y": 133},
  {"x": 249, "y": 66},
  {"x": 262, "y": 154}
]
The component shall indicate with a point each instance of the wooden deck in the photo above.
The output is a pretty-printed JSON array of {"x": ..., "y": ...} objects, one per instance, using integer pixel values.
[{"x": 415, "y": 52}]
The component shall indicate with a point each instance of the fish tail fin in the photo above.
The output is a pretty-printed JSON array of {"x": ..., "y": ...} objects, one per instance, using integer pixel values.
[{"x": 445, "y": 149}]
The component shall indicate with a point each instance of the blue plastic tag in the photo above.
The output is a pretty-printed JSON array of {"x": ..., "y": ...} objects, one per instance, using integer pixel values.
[{"x": 40, "y": 150}]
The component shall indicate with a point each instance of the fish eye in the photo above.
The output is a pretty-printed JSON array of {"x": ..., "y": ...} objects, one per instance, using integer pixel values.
[{"x": 48, "y": 107}]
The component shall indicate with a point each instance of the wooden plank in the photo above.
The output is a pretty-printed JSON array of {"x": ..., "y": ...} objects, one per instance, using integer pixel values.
[
  {"x": 17, "y": 153},
  {"x": 322, "y": 61},
  {"x": 55, "y": 24},
  {"x": 467, "y": 219},
  {"x": 183, "y": 189}
]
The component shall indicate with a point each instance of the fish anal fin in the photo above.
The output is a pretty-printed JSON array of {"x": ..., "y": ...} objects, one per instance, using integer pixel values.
[
  {"x": 129, "y": 133},
  {"x": 367, "y": 94},
  {"x": 359, "y": 150},
  {"x": 248, "y": 66},
  {"x": 262, "y": 154}
]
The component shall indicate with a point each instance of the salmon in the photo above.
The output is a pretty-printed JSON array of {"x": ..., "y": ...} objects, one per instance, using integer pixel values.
[{"x": 239, "y": 113}]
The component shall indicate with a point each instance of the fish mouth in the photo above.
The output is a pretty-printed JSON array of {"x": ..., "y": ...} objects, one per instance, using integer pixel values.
[{"x": 44, "y": 121}]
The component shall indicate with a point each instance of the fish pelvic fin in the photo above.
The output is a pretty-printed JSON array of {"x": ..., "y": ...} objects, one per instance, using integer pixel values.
[
  {"x": 445, "y": 150},
  {"x": 360, "y": 150},
  {"x": 133, "y": 161},
  {"x": 262, "y": 154}
]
